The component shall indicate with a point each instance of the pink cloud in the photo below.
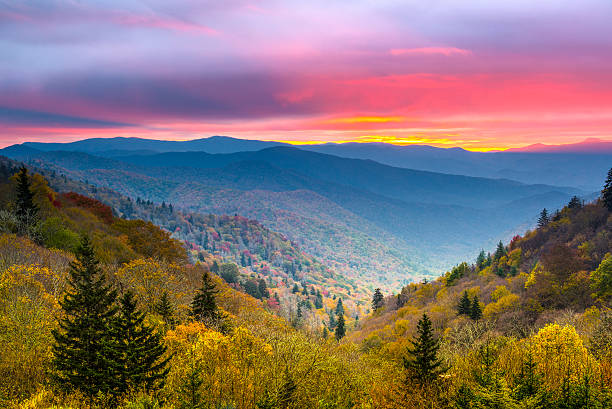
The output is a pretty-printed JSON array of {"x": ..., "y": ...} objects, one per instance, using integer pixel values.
[{"x": 447, "y": 51}]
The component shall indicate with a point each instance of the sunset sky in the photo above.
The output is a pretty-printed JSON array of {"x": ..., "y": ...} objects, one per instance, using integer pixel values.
[{"x": 477, "y": 74}]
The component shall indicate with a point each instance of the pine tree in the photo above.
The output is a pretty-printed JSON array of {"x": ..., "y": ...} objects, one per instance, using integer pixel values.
[
  {"x": 339, "y": 307},
  {"x": 543, "y": 219},
  {"x": 190, "y": 389},
  {"x": 27, "y": 210},
  {"x": 295, "y": 289},
  {"x": 481, "y": 259},
  {"x": 139, "y": 349},
  {"x": 500, "y": 251},
  {"x": 423, "y": 363},
  {"x": 574, "y": 203},
  {"x": 378, "y": 301},
  {"x": 475, "y": 309},
  {"x": 263, "y": 288},
  {"x": 84, "y": 347},
  {"x": 215, "y": 267},
  {"x": 340, "y": 328},
  {"x": 165, "y": 309},
  {"x": 465, "y": 305},
  {"x": 204, "y": 305},
  {"x": 606, "y": 193}
]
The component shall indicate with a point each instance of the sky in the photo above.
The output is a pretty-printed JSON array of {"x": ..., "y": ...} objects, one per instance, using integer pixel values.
[{"x": 479, "y": 74}]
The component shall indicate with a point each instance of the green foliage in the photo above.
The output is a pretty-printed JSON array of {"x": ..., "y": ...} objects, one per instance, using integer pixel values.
[
  {"x": 606, "y": 193},
  {"x": 139, "y": 350},
  {"x": 475, "y": 309},
  {"x": 500, "y": 251},
  {"x": 340, "y": 328},
  {"x": 56, "y": 235},
  {"x": 378, "y": 300},
  {"x": 26, "y": 210},
  {"x": 204, "y": 305},
  {"x": 422, "y": 363},
  {"x": 229, "y": 272},
  {"x": 543, "y": 220},
  {"x": 84, "y": 346},
  {"x": 602, "y": 278},
  {"x": 456, "y": 273},
  {"x": 465, "y": 305}
]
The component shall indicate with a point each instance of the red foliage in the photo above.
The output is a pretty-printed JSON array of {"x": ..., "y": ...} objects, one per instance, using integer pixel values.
[
  {"x": 104, "y": 212},
  {"x": 57, "y": 204}
]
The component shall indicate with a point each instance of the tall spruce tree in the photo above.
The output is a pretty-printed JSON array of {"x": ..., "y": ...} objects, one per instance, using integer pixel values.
[
  {"x": 465, "y": 305},
  {"x": 574, "y": 203},
  {"x": 423, "y": 364},
  {"x": 165, "y": 309},
  {"x": 543, "y": 219},
  {"x": 139, "y": 349},
  {"x": 26, "y": 210},
  {"x": 606, "y": 193},
  {"x": 85, "y": 349},
  {"x": 340, "y": 328},
  {"x": 378, "y": 301},
  {"x": 475, "y": 311},
  {"x": 339, "y": 307},
  {"x": 204, "y": 305},
  {"x": 500, "y": 251}
]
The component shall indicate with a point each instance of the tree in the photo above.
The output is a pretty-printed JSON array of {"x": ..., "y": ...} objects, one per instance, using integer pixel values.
[
  {"x": 340, "y": 328},
  {"x": 475, "y": 309},
  {"x": 204, "y": 305},
  {"x": 339, "y": 307},
  {"x": 500, "y": 251},
  {"x": 543, "y": 219},
  {"x": 295, "y": 289},
  {"x": 423, "y": 363},
  {"x": 378, "y": 300},
  {"x": 165, "y": 309},
  {"x": 84, "y": 347},
  {"x": 602, "y": 278},
  {"x": 139, "y": 349},
  {"x": 574, "y": 203},
  {"x": 229, "y": 272},
  {"x": 481, "y": 259},
  {"x": 465, "y": 305},
  {"x": 263, "y": 288},
  {"x": 606, "y": 193},
  {"x": 27, "y": 210}
]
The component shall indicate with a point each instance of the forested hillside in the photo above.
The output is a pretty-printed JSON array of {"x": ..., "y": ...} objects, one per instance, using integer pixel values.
[
  {"x": 117, "y": 313},
  {"x": 382, "y": 225}
]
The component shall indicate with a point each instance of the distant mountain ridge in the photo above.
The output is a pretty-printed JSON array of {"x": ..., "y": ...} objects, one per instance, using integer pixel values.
[
  {"x": 383, "y": 224},
  {"x": 578, "y": 165}
]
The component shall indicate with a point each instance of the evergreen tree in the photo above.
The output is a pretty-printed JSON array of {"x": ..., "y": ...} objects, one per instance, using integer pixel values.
[
  {"x": 378, "y": 301},
  {"x": 399, "y": 301},
  {"x": 318, "y": 301},
  {"x": 500, "y": 251},
  {"x": 204, "y": 305},
  {"x": 465, "y": 305},
  {"x": 295, "y": 289},
  {"x": 340, "y": 328},
  {"x": 263, "y": 288},
  {"x": 165, "y": 309},
  {"x": 325, "y": 333},
  {"x": 475, "y": 309},
  {"x": 190, "y": 389},
  {"x": 606, "y": 193},
  {"x": 84, "y": 348},
  {"x": 574, "y": 203},
  {"x": 287, "y": 389},
  {"x": 339, "y": 307},
  {"x": 139, "y": 349},
  {"x": 543, "y": 219},
  {"x": 27, "y": 210},
  {"x": 423, "y": 363},
  {"x": 481, "y": 259},
  {"x": 215, "y": 267},
  {"x": 332, "y": 320}
]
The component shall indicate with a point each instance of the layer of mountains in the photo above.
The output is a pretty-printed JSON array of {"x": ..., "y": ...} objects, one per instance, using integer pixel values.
[{"x": 382, "y": 213}]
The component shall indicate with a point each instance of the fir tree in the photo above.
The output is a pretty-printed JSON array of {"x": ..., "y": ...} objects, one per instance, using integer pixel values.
[
  {"x": 339, "y": 307},
  {"x": 340, "y": 328},
  {"x": 190, "y": 389},
  {"x": 423, "y": 363},
  {"x": 574, "y": 203},
  {"x": 481, "y": 260},
  {"x": 263, "y": 288},
  {"x": 84, "y": 347},
  {"x": 27, "y": 210},
  {"x": 165, "y": 309},
  {"x": 295, "y": 289},
  {"x": 139, "y": 349},
  {"x": 475, "y": 309},
  {"x": 465, "y": 305},
  {"x": 606, "y": 193},
  {"x": 500, "y": 251},
  {"x": 378, "y": 301},
  {"x": 204, "y": 305},
  {"x": 543, "y": 219}
]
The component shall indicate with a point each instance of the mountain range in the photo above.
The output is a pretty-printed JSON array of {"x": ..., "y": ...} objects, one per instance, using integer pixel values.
[
  {"x": 386, "y": 225},
  {"x": 576, "y": 165}
]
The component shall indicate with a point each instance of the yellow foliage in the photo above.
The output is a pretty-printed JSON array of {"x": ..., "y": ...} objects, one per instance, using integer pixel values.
[
  {"x": 505, "y": 303},
  {"x": 499, "y": 292}
]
